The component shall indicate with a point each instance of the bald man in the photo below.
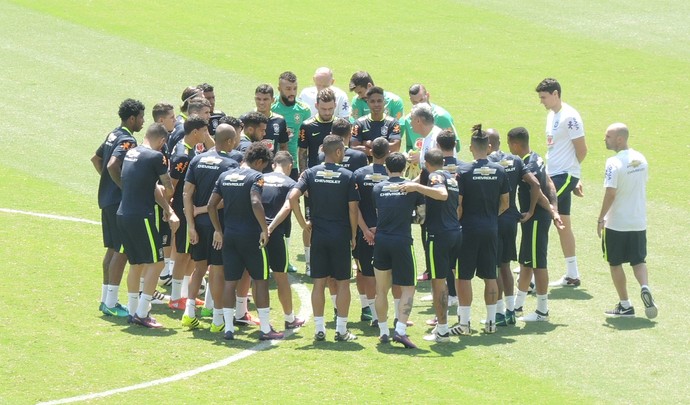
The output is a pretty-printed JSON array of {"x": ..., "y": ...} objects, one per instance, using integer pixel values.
[
  {"x": 622, "y": 222},
  {"x": 323, "y": 78}
]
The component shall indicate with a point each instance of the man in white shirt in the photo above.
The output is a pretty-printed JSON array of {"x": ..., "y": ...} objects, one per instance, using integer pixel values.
[
  {"x": 623, "y": 219},
  {"x": 323, "y": 78},
  {"x": 422, "y": 122},
  {"x": 566, "y": 149}
]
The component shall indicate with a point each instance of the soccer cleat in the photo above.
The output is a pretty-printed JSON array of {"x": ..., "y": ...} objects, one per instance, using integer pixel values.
[
  {"x": 384, "y": 339},
  {"x": 650, "y": 308},
  {"x": 101, "y": 306},
  {"x": 490, "y": 327},
  {"x": 294, "y": 324},
  {"x": 422, "y": 277},
  {"x": 345, "y": 337},
  {"x": 218, "y": 328},
  {"x": 159, "y": 298},
  {"x": 246, "y": 320},
  {"x": 271, "y": 335},
  {"x": 403, "y": 340},
  {"x": 518, "y": 312},
  {"x": 165, "y": 280},
  {"x": 206, "y": 312},
  {"x": 130, "y": 319},
  {"x": 118, "y": 310},
  {"x": 366, "y": 315},
  {"x": 229, "y": 335},
  {"x": 510, "y": 317},
  {"x": 189, "y": 322},
  {"x": 452, "y": 301},
  {"x": 374, "y": 323},
  {"x": 199, "y": 303},
  {"x": 307, "y": 270},
  {"x": 179, "y": 304},
  {"x": 148, "y": 322},
  {"x": 535, "y": 316},
  {"x": 531, "y": 288},
  {"x": 501, "y": 319},
  {"x": 619, "y": 311},
  {"x": 408, "y": 323},
  {"x": 436, "y": 337},
  {"x": 461, "y": 330},
  {"x": 432, "y": 322},
  {"x": 320, "y": 336},
  {"x": 291, "y": 268},
  {"x": 565, "y": 281}
]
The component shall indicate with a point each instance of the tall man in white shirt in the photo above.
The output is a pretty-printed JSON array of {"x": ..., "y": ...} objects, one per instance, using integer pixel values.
[
  {"x": 622, "y": 222},
  {"x": 323, "y": 78},
  {"x": 566, "y": 149}
]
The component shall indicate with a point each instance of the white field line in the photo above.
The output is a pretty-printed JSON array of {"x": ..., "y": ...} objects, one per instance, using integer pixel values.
[{"x": 305, "y": 313}]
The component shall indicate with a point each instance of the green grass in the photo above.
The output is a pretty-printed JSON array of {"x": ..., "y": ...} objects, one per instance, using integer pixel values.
[{"x": 68, "y": 64}]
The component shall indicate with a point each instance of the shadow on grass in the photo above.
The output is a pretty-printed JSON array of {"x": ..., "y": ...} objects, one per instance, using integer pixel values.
[
  {"x": 628, "y": 323},
  {"x": 569, "y": 293},
  {"x": 149, "y": 332},
  {"x": 352, "y": 346},
  {"x": 400, "y": 350}
]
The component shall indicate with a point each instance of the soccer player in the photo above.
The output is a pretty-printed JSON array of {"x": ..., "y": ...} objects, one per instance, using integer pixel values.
[
  {"x": 394, "y": 261},
  {"x": 236, "y": 124},
  {"x": 197, "y": 106},
  {"x": 277, "y": 186},
  {"x": 189, "y": 93},
  {"x": 276, "y": 134},
  {"x": 366, "y": 178},
  {"x": 333, "y": 224},
  {"x": 566, "y": 149},
  {"x": 108, "y": 163},
  {"x": 323, "y": 78},
  {"x": 253, "y": 129},
  {"x": 142, "y": 168},
  {"x": 244, "y": 237},
  {"x": 209, "y": 94},
  {"x": 442, "y": 119},
  {"x": 196, "y": 130},
  {"x": 360, "y": 82},
  {"x": 535, "y": 223},
  {"x": 622, "y": 223},
  {"x": 311, "y": 135},
  {"x": 484, "y": 193},
  {"x": 375, "y": 124},
  {"x": 200, "y": 179},
  {"x": 294, "y": 111}
]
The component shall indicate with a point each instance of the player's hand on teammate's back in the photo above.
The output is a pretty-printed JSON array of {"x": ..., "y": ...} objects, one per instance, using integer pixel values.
[
  {"x": 578, "y": 189},
  {"x": 217, "y": 240}
]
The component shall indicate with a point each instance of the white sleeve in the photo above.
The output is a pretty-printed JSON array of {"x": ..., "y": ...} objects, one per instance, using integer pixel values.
[
  {"x": 611, "y": 174},
  {"x": 575, "y": 127}
]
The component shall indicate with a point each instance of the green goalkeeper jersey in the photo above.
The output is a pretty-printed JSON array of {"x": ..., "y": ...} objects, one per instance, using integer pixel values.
[
  {"x": 294, "y": 116},
  {"x": 442, "y": 119},
  {"x": 394, "y": 106}
]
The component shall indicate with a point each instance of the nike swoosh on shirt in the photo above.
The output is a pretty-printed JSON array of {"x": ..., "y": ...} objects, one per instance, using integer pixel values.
[{"x": 315, "y": 133}]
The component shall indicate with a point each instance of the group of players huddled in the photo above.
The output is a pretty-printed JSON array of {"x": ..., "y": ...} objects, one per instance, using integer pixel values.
[{"x": 207, "y": 193}]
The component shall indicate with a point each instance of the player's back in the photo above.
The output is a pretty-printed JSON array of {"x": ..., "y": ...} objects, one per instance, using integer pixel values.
[
  {"x": 276, "y": 188},
  {"x": 203, "y": 172},
  {"x": 235, "y": 186},
  {"x": 141, "y": 170},
  {"x": 366, "y": 178},
  {"x": 513, "y": 167},
  {"x": 481, "y": 184},
  {"x": 119, "y": 141},
  {"x": 394, "y": 208}
]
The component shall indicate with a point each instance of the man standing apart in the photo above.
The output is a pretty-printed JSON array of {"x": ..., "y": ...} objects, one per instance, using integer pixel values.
[
  {"x": 566, "y": 149},
  {"x": 323, "y": 78},
  {"x": 622, "y": 223}
]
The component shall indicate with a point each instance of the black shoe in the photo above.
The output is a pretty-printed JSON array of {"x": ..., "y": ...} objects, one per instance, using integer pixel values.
[{"x": 619, "y": 311}]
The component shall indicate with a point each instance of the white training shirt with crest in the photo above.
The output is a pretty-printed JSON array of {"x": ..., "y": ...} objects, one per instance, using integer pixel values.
[
  {"x": 627, "y": 172},
  {"x": 561, "y": 128}
]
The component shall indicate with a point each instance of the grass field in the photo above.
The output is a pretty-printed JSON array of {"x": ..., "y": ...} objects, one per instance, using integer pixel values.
[{"x": 66, "y": 65}]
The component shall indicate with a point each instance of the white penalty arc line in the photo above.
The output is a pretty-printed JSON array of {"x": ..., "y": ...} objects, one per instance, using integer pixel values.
[{"x": 305, "y": 313}]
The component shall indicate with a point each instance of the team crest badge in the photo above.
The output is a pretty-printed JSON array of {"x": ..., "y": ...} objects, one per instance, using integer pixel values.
[
  {"x": 276, "y": 127},
  {"x": 384, "y": 130},
  {"x": 418, "y": 143},
  {"x": 298, "y": 119}
]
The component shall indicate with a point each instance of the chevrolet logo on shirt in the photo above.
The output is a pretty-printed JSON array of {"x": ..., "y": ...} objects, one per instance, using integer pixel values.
[
  {"x": 634, "y": 163},
  {"x": 376, "y": 177},
  {"x": 451, "y": 168},
  {"x": 505, "y": 163},
  {"x": 484, "y": 171},
  {"x": 274, "y": 179},
  {"x": 328, "y": 174},
  {"x": 235, "y": 177},
  {"x": 391, "y": 187},
  {"x": 210, "y": 160}
]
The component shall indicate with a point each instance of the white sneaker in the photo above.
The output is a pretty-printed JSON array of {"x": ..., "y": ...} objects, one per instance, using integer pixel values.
[
  {"x": 565, "y": 281},
  {"x": 490, "y": 327},
  {"x": 427, "y": 298},
  {"x": 535, "y": 316},
  {"x": 461, "y": 330},
  {"x": 159, "y": 298},
  {"x": 452, "y": 301}
]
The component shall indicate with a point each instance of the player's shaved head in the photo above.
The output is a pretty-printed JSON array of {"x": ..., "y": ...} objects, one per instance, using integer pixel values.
[
  {"x": 380, "y": 148},
  {"x": 225, "y": 133},
  {"x": 434, "y": 158},
  {"x": 619, "y": 129},
  {"x": 283, "y": 159},
  {"x": 494, "y": 138},
  {"x": 331, "y": 144},
  {"x": 156, "y": 131},
  {"x": 323, "y": 77},
  {"x": 396, "y": 162}
]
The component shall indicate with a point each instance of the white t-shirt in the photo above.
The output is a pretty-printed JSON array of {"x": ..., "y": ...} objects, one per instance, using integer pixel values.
[
  {"x": 342, "y": 105},
  {"x": 627, "y": 172},
  {"x": 429, "y": 142},
  {"x": 561, "y": 128}
]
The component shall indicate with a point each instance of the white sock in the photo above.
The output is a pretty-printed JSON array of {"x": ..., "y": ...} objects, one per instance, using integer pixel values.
[
  {"x": 372, "y": 306},
  {"x": 319, "y": 324},
  {"x": 104, "y": 292},
  {"x": 626, "y": 304},
  {"x": 217, "y": 317},
  {"x": 143, "y": 307},
  {"x": 520, "y": 298},
  {"x": 141, "y": 284},
  {"x": 190, "y": 308},
  {"x": 111, "y": 298},
  {"x": 442, "y": 328},
  {"x": 264, "y": 319},
  {"x": 383, "y": 328},
  {"x": 458, "y": 311},
  {"x": 307, "y": 251},
  {"x": 185, "y": 286},
  {"x": 571, "y": 267},
  {"x": 401, "y": 328},
  {"x": 509, "y": 301},
  {"x": 396, "y": 301},
  {"x": 464, "y": 315},
  {"x": 500, "y": 307},
  {"x": 132, "y": 302},
  {"x": 333, "y": 299},
  {"x": 240, "y": 306},
  {"x": 341, "y": 324},
  {"x": 176, "y": 292},
  {"x": 543, "y": 303},
  {"x": 208, "y": 297},
  {"x": 491, "y": 313},
  {"x": 364, "y": 302},
  {"x": 229, "y": 315},
  {"x": 642, "y": 287},
  {"x": 290, "y": 317},
  {"x": 167, "y": 268}
]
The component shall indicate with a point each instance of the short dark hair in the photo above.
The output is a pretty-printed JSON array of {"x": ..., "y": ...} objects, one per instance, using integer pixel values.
[
  {"x": 341, "y": 127},
  {"x": 325, "y": 95},
  {"x": 187, "y": 94},
  {"x": 415, "y": 88},
  {"x": 194, "y": 122},
  {"x": 230, "y": 120},
  {"x": 253, "y": 119},
  {"x": 288, "y": 76},
  {"x": 479, "y": 137},
  {"x": 264, "y": 89},
  {"x": 130, "y": 108},
  {"x": 197, "y": 104},
  {"x": 434, "y": 157},
  {"x": 257, "y": 151},
  {"x": 380, "y": 147},
  {"x": 396, "y": 162},
  {"x": 331, "y": 143},
  {"x": 374, "y": 90},
  {"x": 156, "y": 130},
  {"x": 549, "y": 84},
  {"x": 519, "y": 135},
  {"x": 283, "y": 158},
  {"x": 161, "y": 110},
  {"x": 205, "y": 87},
  {"x": 360, "y": 79},
  {"x": 446, "y": 140}
]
